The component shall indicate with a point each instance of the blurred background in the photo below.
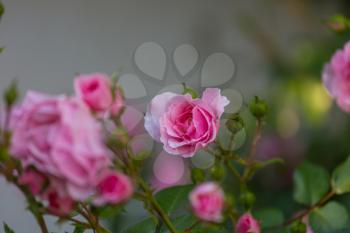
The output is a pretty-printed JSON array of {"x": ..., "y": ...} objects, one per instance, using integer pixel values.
[{"x": 277, "y": 49}]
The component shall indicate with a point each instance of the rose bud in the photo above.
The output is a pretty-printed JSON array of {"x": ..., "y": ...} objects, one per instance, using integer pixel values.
[
  {"x": 113, "y": 188},
  {"x": 247, "y": 224},
  {"x": 207, "y": 201}
]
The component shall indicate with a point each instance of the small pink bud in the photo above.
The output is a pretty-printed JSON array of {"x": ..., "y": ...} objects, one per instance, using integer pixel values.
[
  {"x": 113, "y": 188},
  {"x": 33, "y": 180},
  {"x": 95, "y": 90},
  {"x": 247, "y": 224},
  {"x": 207, "y": 201},
  {"x": 59, "y": 202}
]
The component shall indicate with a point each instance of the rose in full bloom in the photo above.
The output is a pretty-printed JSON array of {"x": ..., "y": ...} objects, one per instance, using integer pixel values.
[
  {"x": 207, "y": 201},
  {"x": 113, "y": 188},
  {"x": 247, "y": 224},
  {"x": 60, "y": 138},
  {"x": 336, "y": 77},
  {"x": 96, "y": 91},
  {"x": 33, "y": 180},
  {"x": 183, "y": 124}
]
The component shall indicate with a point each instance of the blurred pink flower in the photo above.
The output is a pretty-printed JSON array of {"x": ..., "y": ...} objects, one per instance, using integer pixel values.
[
  {"x": 59, "y": 202},
  {"x": 336, "y": 77},
  {"x": 96, "y": 91},
  {"x": 59, "y": 137},
  {"x": 247, "y": 224},
  {"x": 207, "y": 201},
  {"x": 169, "y": 170},
  {"x": 33, "y": 180},
  {"x": 113, "y": 188},
  {"x": 185, "y": 125}
]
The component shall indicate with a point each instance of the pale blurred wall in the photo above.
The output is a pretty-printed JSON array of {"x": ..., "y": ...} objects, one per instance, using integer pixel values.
[{"x": 48, "y": 41}]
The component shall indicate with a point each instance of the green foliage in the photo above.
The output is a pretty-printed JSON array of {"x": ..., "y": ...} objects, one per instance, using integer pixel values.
[
  {"x": 269, "y": 217},
  {"x": 341, "y": 178},
  {"x": 217, "y": 172},
  {"x": 145, "y": 226},
  {"x": 329, "y": 218},
  {"x": 2, "y": 9},
  {"x": 311, "y": 183},
  {"x": 172, "y": 198},
  {"x": 298, "y": 227},
  {"x": 4, "y": 154},
  {"x": 108, "y": 211},
  {"x": 7, "y": 229},
  {"x": 197, "y": 175},
  {"x": 79, "y": 229},
  {"x": 184, "y": 222}
]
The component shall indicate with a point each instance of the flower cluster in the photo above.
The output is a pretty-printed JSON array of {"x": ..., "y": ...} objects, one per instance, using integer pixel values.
[{"x": 61, "y": 146}]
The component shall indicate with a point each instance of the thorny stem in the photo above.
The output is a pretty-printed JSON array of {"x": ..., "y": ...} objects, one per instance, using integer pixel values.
[
  {"x": 326, "y": 198},
  {"x": 189, "y": 229},
  {"x": 41, "y": 222},
  {"x": 257, "y": 136},
  {"x": 93, "y": 220},
  {"x": 155, "y": 205}
]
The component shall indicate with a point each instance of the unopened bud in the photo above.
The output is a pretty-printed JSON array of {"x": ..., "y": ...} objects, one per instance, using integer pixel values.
[
  {"x": 11, "y": 94},
  {"x": 338, "y": 23},
  {"x": 197, "y": 175},
  {"x": 247, "y": 198},
  {"x": 258, "y": 107},
  {"x": 217, "y": 172},
  {"x": 235, "y": 123}
]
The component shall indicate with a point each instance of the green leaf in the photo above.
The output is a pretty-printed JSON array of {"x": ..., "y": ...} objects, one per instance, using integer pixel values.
[
  {"x": 145, "y": 226},
  {"x": 108, "y": 211},
  {"x": 188, "y": 90},
  {"x": 172, "y": 198},
  {"x": 79, "y": 229},
  {"x": 185, "y": 221},
  {"x": 7, "y": 229},
  {"x": 341, "y": 178},
  {"x": 311, "y": 183},
  {"x": 329, "y": 218},
  {"x": 269, "y": 217},
  {"x": 2, "y": 9}
]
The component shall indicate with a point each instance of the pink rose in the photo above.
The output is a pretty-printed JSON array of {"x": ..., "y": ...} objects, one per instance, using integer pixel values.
[
  {"x": 207, "y": 201},
  {"x": 33, "y": 180},
  {"x": 113, "y": 188},
  {"x": 95, "y": 90},
  {"x": 185, "y": 125},
  {"x": 60, "y": 138},
  {"x": 59, "y": 202},
  {"x": 336, "y": 77},
  {"x": 247, "y": 224}
]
